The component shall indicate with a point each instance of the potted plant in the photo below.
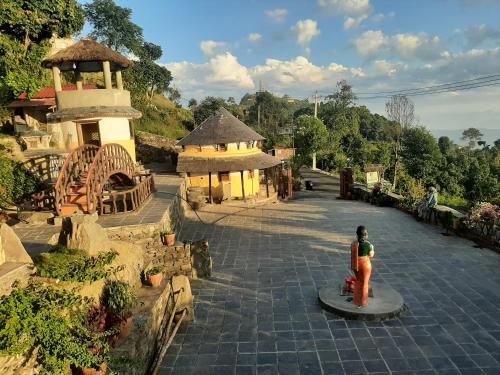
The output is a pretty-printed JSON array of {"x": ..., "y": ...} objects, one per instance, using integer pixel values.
[
  {"x": 154, "y": 276},
  {"x": 119, "y": 299},
  {"x": 168, "y": 237}
]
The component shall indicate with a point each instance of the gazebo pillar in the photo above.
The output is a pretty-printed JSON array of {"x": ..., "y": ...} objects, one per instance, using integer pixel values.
[
  {"x": 210, "y": 199},
  {"x": 56, "y": 73},
  {"x": 243, "y": 187},
  {"x": 119, "y": 80},
  {"x": 78, "y": 78},
  {"x": 107, "y": 75}
]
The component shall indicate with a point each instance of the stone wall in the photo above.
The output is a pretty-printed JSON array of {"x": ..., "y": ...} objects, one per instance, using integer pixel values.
[
  {"x": 135, "y": 356},
  {"x": 153, "y": 148},
  {"x": 477, "y": 234}
]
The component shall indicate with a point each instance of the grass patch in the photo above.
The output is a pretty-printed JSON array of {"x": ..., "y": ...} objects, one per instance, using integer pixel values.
[
  {"x": 73, "y": 265},
  {"x": 458, "y": 203}
]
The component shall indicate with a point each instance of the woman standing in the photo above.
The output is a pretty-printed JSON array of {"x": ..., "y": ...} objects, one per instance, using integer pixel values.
[{"x": 361, "y": 253}]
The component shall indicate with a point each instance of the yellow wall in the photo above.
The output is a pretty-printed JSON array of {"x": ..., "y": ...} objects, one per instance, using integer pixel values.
[
  {"x": 128, "y": 144},
  {"x": 251, "y": 184},
  {"x": 232, "y": 150}
]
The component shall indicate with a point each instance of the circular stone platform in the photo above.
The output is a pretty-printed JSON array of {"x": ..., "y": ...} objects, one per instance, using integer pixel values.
[{"x": 386, "y": 303}]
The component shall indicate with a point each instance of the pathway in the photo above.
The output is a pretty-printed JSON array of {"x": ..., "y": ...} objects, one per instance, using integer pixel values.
[{"x": 259, "y": 313}]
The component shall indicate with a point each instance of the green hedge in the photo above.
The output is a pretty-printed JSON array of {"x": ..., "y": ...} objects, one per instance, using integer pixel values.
[{"x": 16, "y": 182}]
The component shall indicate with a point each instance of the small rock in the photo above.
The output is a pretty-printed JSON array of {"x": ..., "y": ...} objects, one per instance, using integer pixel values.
[{"x": 35, "y": 217}]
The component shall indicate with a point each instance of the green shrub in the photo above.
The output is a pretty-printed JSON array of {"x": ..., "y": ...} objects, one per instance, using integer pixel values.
[
  {"x": 53, "y": 321},
  {"x": 16, "y": 182},
  {"x": 458, "y": 203},
  {"x": 74, "y": 265},
  {"x": 118, "y": 298}
]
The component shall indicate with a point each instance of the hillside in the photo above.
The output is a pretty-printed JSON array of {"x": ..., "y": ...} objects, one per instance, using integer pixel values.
[{"x": 164, "y": 118}]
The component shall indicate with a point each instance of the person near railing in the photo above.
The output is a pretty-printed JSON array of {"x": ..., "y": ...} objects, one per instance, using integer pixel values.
[{"x": 428, "y": 206}]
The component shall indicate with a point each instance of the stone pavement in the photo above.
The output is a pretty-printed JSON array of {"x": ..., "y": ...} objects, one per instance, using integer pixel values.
[
  {"x": 35, "y": 237},
  {"x": 259, "y": 313}
]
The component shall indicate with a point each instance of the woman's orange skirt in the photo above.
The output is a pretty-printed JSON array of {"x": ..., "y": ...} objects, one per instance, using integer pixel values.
[{"x": 362, "y": 278}]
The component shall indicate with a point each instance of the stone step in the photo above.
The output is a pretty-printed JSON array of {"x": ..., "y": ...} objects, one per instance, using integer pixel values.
[
  {"x": 78, "y": 198},
  {"x": 68, "y": 209}
]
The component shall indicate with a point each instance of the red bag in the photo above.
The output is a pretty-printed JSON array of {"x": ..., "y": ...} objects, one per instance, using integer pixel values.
[{"x": 350, "y": 283}]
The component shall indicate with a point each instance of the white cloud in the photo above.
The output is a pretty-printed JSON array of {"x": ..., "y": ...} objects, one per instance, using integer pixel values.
[
  {"x": 223, "y": 75},
  {"x": 277, "y": 15},
  {"x": 254, "y": 37},
  {"x": 405, "y": 46},
  {"x": 222, "y": 71},
  {"x": 346, "y": 7},
  {"x": 212, "y": 47},
  {"x": 371, "y": 43},
  {"x": 381, "y": 17},
  {"x": 305, "y": 31},
  {"x": 476, "y": 35},
  {"x": 353, "y": 23}
]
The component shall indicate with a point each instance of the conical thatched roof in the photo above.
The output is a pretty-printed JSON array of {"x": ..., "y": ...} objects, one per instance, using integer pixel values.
[
  {"x": 86, "y": 51},
  {"x": 222, "y": 127}
]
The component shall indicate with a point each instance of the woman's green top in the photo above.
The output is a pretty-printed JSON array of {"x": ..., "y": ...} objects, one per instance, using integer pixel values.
[{"x": 364, "y": 248}]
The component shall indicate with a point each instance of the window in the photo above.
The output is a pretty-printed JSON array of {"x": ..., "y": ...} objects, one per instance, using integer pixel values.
[{"x": 131, "y": 129}]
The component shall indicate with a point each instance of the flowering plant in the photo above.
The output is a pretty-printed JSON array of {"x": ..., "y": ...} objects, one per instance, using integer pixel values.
[{"x": 483, "y": 216}]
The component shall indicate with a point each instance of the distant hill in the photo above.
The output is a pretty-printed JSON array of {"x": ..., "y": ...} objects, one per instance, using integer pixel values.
[{"x": 490, "y": 135}]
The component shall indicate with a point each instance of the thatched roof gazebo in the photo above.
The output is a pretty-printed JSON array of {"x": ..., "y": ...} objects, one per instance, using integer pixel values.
[
  {"x": 224, "y": 146},
  {"x": 87, "y": 56}
]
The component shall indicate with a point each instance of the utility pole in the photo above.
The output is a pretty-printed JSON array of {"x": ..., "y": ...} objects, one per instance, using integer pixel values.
[
  {"x": 316, "y": 116},
  {"x": 258, "y": 107},
  {"x": 316, "y": 104}
]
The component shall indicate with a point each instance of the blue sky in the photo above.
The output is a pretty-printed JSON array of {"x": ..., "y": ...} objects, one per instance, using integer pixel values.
[{"x": 227, "y": 48}]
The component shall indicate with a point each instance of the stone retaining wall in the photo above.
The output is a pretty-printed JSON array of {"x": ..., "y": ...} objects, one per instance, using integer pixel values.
[{"x": 361, "y": 192}]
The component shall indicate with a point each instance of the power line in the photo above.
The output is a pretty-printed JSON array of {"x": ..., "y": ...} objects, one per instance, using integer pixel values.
[
  {"x": 430, "y": 87},
  {"x": 485, "y": 81},
  {"x": 452, "y": 89}
]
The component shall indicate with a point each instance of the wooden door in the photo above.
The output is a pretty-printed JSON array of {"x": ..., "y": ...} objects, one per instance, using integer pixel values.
[{"x": 90, "y": 133}]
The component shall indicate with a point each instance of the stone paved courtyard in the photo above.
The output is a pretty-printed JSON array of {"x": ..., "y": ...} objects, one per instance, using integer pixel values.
[{"x": 259, "y": 313}]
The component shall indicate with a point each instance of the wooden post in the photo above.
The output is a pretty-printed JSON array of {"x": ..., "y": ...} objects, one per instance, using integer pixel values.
[
  {"x": 107, "y": 75},
  {"x": 57, "y": 78},
  {"x": 119, "y": 80},
  {"x": 243, "y": 186},
  {"x": 210, "y": 187},
  {"x": 267, "y": 183},
  {"x": 78, "y": 79}
]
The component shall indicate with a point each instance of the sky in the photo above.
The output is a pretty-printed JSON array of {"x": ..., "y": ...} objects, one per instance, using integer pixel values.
[{"x": 295, "y": 47}]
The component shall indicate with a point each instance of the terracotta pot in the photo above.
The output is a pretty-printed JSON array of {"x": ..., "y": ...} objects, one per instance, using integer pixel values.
[
  {"x": 170, "y": 239},
  {"x": 125, "y": 331},
  {"x": 91, "y": 371},
  {"x": 155, "y": 280}
]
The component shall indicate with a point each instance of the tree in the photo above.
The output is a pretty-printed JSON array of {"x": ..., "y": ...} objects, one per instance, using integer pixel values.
[
  {"x": 420, "y": 153},
  {"x": 401, "y": 110},
  {"x": 472, "y": 136},
  {"x": 26, "y": 27},
  {"x": 174, "y": 94},
  {"x": 310, "y": 135},
  {"x": 208, "y": 106},
  {"x": 192, "y": 103},
  {"x": 112, "y": 26},
  {"x": 446, "y": 145}
]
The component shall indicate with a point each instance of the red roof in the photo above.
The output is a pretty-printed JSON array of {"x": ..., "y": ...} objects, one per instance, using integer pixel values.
[
  {"x": 45, "y": 97},
  {"x": 49, "y": 102},
  {"x": 50, "y": 92}
]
